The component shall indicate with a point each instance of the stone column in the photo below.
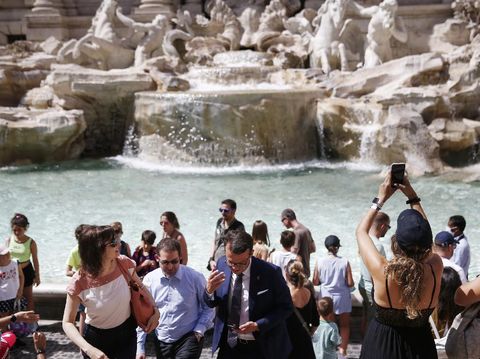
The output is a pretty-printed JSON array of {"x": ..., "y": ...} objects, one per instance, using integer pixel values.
[
  {"x": 148, "y": 9},
  {"x": 46, "y": 19},
  {"x": 48, "y": 7}
]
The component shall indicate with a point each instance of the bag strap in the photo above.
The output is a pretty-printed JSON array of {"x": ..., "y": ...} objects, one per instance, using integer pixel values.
[
  {"x": 125, "y": 272},
  {"x": 302, "y": 321}
]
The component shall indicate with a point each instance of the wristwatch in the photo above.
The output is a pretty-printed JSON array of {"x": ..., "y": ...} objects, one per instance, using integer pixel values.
[{"x": 13, "y": 318}]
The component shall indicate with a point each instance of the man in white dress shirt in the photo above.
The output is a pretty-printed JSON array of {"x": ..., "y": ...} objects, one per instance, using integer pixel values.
[{"x": 461, "y": 255}]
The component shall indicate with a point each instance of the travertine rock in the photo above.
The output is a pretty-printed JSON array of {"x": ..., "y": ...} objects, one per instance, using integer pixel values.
[
  {"x": 385, "y": 78},
  {"x": 40, "y": 136},
  {"x": 51, "y": 46}
]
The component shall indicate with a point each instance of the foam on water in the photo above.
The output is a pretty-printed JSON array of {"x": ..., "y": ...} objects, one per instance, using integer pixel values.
[{"x": 186, "y": 168}]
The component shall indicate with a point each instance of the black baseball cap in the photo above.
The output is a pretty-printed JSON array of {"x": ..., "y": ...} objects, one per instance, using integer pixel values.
[
  {"x": 332, "y": 241},
  {"x": 413, "y": 229}
]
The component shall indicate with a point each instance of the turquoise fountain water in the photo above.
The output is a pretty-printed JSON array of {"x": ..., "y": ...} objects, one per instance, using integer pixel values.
[{"x": 328, "y": 198}]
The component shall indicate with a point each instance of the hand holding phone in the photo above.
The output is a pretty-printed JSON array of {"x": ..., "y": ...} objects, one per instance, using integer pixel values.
[{"x": 397, "y": 174}]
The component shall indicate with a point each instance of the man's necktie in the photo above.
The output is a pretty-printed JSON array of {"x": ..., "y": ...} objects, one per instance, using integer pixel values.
[{"x": 235, "y": 308}]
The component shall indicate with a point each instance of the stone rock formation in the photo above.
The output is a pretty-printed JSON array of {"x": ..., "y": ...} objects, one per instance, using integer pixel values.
[
  {"x": 232, "y": 88},
  {"x": 40, "y": 135}
]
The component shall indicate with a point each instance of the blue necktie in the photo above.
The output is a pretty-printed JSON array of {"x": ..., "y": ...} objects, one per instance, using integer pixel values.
[{"x": 235, "y": 308}]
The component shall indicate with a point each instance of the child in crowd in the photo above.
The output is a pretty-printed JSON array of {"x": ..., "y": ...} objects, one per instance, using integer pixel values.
[
  {"x": 11, "y": 282},
  {"x": 145, "y": 255},
  {"x": 283, "y": 256},
  {"x": 326, "y": 339},
  {"x": 260, "y": 239},
  {"x": 124, "y": 247},
  {"x": 22, "y": 248}
]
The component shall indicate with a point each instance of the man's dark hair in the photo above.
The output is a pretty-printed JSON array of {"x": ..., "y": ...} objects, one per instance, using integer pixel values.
[
  {"x": 287, "y": 239},
  {"x": 289, "y": 214},
  {"x": 231, "y": 203},
  {"x": 458, "y": 221},
  {"x": 240, "y": 241},
  {"x": 168, "y": 244}
]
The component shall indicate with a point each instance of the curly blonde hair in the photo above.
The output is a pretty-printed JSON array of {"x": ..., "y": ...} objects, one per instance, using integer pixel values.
[
  {"x": 295, "y": 273},
  {"x": 407, "y": 271}
]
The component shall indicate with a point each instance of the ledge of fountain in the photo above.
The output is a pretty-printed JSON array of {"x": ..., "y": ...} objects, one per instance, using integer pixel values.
[{"x": 50, "y": 300}]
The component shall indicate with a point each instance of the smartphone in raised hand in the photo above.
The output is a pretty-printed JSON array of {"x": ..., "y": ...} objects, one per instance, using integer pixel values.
[{"x": 397, "y": 174}]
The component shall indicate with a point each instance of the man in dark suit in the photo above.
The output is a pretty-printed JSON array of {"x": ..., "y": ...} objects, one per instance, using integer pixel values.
[{"x": 253, "y": 302}]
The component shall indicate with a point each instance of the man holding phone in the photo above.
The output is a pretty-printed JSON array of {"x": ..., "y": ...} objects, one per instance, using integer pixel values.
[{"x": 252, "y": 301}]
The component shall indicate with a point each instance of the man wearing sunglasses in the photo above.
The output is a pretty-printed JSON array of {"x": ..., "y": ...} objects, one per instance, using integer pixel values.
[
  {"x": 252, "y": 301},
  {"x": 227, "y": 222},
  {"x": 178, "y": 293}
]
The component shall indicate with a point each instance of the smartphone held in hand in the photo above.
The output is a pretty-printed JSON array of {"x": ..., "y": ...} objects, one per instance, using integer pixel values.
[{"x": 398, "y": 173}]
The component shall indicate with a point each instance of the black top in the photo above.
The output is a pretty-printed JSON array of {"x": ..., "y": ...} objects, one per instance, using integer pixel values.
[{"x": 398, "y": 317}]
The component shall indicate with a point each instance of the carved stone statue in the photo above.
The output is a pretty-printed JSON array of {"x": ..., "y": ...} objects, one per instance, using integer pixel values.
[
  {"x": 100, "y": 47},
  {"x": 381, "y": 28},
  {"x": 271, "y": 23},
  {"x": 150, "y": 44},
  {"x": 327, "y": 47}
]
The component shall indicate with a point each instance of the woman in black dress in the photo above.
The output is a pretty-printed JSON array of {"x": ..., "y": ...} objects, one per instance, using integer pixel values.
[
  {"x": 406, "y": 287},
  {"x": 303, "y": 322}
]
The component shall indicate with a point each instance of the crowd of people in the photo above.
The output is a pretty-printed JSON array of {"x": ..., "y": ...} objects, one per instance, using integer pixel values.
[{"x": 260, "y": 302}]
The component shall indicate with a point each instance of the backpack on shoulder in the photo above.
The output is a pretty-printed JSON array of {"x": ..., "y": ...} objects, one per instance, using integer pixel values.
[{"x": 464, "y": 335}]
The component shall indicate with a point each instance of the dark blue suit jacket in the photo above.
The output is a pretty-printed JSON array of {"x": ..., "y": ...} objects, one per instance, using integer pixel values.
[{"x": 270, "y": 304}]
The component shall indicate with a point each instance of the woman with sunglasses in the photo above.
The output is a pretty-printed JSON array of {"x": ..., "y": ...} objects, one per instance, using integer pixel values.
[
  {"x": 100, "y": 286},
  {"x": 170, "y": 225}
]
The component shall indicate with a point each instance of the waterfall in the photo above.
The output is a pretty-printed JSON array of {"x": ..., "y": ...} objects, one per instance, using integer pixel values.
[
  {"x": 321, "y": 137},
  {"x": 130, "y": 146},
  {"x": 367, "y": 143}
]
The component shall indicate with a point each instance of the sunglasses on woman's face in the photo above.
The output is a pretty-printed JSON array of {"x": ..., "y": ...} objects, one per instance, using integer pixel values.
[{"x": 115, "y": 242}]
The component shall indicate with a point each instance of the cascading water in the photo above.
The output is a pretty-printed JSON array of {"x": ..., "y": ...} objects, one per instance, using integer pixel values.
[{"x": 321, "y": 137}]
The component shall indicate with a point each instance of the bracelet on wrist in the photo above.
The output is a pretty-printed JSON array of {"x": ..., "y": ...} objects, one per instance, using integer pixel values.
[
  {"x": 376, "y": 204},
  {"x": 413, "y": 200},
  {"x": 40, "y": 351}
]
